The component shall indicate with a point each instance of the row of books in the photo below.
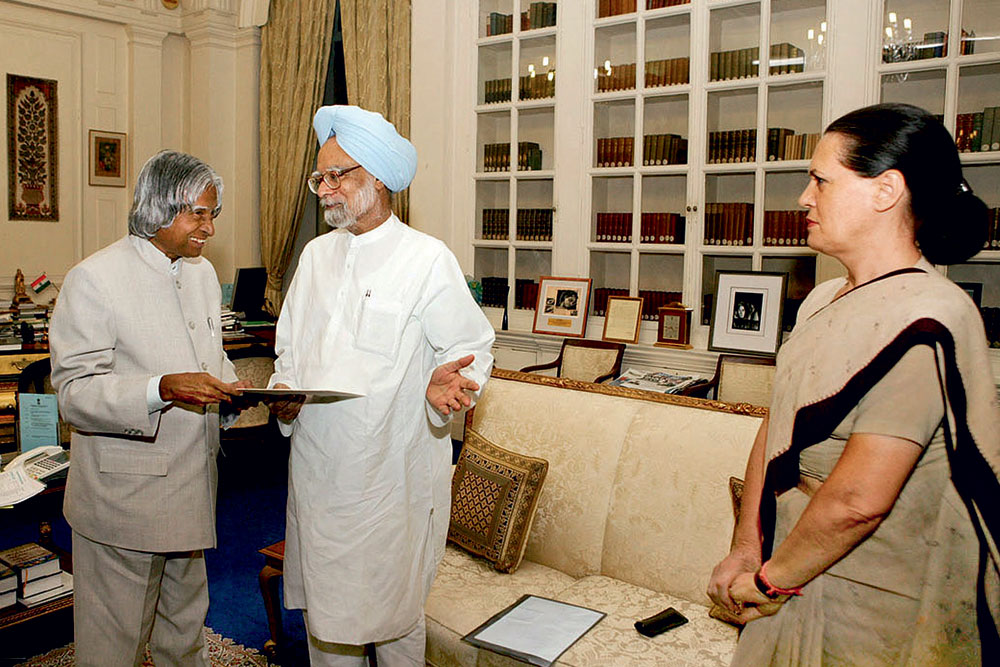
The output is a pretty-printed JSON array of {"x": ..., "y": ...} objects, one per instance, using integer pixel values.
[
  {"x": 616, "y": 77},
  {"x": 494, "y": 291},
  {"x": 536, "y": 87},
  {"x": 498, "y": 23},
  {"x": 616, "y": 7},
  {"x": 732, "y": 146},
  {"x": 736, "y": 64},
  {"x": 784, "y": 144},
  {"x": 30, "y": 575},
  {"x": 660, "y": 4},
  {"x": 669, "y": 72},
  {"x": 786, "y": 59},
  {"x": 652, "y": 300},
  {"x": 539, "y": 15},
  {"x": 497, "y": 90},
  {"x": 653, "y": 228},
  {"x": 729, "y": 223},
  {"x": 785, "y": 228},
  {"x": 660, "y": 149},
  {"x": 525, "y": 294},
  {"x": 979, "y": 131},
  {"x": 534, "y": 224},
  {"x": 993, "y": 237},
  {"x": 496, "y": 157},
  {"x": 614, "y": 151},
  {"x": 933, "y": 45}
]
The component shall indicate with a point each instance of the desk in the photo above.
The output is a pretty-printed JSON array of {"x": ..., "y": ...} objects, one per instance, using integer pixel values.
[{"x": 12, "y": 362}]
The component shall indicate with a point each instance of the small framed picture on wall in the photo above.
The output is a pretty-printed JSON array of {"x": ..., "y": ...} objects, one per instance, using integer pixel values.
[
  {"x": 562, "y": 306},
  {"x": 107, "y": 158}
]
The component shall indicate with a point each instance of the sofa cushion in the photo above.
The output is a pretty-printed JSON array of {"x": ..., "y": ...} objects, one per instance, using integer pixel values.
[
  {"x": 670, "y": 519},
  {"x": 494, "y": 493},
  {"x": 467, "y": 591},
  {"x": 580, "y": 434},
  {"x": 614, "y": 641}
]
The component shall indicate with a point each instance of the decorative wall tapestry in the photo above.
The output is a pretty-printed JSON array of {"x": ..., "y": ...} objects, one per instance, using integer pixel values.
[{"x": 32, "y": 149}]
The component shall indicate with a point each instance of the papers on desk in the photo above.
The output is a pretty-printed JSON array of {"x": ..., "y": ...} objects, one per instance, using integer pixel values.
[
  {"x": 658, "y": 381},
  {"x": 535, "y": 630},
  {"x": 16, "y": 486},
  {"x": 312, "y": 395}
]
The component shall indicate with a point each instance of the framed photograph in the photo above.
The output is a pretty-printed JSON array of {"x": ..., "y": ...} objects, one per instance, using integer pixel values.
[
  {"x": 562, "y": 306},
  {"x": 621, "y": 323},
  {"x": 674, "y": 327},
  {"x": 975, "y": 292},
  {"x": 747, "y": 313},
  {"x": 107, "y": 158}
]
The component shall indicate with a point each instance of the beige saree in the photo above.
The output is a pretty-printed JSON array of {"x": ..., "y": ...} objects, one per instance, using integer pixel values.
[{"x": 923, "y": 588}]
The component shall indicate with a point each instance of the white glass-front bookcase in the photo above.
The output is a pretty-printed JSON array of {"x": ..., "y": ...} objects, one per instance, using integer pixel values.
[{"x": 676, "y": 140}]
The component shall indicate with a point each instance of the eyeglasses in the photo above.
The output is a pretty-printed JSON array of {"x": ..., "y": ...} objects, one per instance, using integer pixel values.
[{"x": 331, "y": 177}]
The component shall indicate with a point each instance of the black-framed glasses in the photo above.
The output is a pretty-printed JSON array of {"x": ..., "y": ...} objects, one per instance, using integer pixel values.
[{"x": 331, "y": 177}]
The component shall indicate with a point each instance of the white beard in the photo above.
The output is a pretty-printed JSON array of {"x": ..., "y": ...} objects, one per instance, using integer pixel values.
[{"x": 340, "y": 216}]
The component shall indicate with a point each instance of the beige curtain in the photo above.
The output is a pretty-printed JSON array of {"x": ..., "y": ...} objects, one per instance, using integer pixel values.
[
  {"x": 295, "y": 49},
  {"x": 377, "y": 63}
]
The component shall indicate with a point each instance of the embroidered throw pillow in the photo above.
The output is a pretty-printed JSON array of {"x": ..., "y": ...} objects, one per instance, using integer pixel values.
[{"x": 494, "y": 494}]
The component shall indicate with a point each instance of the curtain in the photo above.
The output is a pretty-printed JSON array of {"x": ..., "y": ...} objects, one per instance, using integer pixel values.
[
  {"x": 295, "y": 48},
  {"x": 377, "y": 62}
]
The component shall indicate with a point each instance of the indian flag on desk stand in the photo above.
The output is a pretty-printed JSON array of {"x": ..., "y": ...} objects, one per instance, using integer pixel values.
[{"x": 40, "y": 283}]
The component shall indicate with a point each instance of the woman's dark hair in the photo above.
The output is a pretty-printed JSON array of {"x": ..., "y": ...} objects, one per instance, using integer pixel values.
[{"x": 950, "y": 222}]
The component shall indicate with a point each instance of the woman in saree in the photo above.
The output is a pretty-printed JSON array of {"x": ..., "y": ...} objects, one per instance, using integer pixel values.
[{"x": 869, "y": 525}]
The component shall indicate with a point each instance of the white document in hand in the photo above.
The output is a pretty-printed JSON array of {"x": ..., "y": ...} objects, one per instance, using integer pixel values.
[{"x": 16, "y": 486}]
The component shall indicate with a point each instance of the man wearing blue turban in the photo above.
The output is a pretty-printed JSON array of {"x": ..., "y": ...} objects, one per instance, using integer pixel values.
[{"x": 378, "y": 309}]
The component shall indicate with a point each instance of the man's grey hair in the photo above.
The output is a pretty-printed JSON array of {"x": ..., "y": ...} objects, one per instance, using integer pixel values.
[{"x": 170, "y": 183}]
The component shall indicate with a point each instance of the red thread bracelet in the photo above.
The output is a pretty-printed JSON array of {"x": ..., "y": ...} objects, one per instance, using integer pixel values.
[{"x": 773, "y": 591}]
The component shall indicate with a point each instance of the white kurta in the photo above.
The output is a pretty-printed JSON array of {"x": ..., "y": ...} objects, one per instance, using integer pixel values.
[{"x": 369, "y": 490}]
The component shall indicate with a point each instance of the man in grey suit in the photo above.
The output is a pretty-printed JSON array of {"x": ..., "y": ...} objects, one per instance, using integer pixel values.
[{"x": 137, "y": 359}]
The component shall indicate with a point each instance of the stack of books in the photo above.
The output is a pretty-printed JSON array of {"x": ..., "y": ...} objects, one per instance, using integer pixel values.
[
  {"x": 33, "y": 317},
  {"x": 38, "y": 578},
  {"x": 8, "y": 586},
  {"x": 979, "y": 131}
]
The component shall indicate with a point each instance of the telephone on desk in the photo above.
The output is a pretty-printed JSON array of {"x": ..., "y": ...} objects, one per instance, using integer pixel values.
[{"x": 41, "y": 463}]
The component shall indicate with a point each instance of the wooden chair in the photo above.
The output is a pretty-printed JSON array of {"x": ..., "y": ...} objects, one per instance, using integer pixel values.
[
  {"x": 36, "y": 378},
  {"x": 739, "y": 379},
  {"x": 586, "y": 360}
]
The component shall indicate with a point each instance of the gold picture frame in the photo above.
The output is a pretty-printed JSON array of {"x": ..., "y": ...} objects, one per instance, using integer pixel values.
[
  {"x": 108, "y": 158},
  {"x": 621, "y": 323},
  {"x": 562, "y": 306}
]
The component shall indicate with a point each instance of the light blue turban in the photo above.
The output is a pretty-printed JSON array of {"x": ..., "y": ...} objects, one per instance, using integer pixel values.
[{"x": 371, "y": 140}]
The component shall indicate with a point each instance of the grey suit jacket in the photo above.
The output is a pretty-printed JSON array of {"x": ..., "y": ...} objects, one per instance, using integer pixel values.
[{"x": 137, "y": 480}]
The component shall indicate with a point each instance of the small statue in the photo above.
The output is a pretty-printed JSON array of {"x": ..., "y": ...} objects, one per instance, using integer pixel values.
[{"x": 20, "y": 292}]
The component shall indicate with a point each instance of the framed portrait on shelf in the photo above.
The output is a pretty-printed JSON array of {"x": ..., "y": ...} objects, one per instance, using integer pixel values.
[
  {"x": 747, "y": 313},
  {"x": 674, "y": 327},
  {"x": 107, "y": 158},
  {"x": 975, "y": 292},
  {"x": 562, "y": 306},
  {"x": 621, "y": 322}
]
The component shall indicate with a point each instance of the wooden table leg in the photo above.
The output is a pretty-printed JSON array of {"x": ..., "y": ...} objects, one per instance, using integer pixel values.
[{"x": 270, "y": 577}]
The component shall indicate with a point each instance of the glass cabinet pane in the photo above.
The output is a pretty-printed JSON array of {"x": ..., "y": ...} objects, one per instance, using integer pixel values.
[
  {"x": 977, "y": 125},
  {"x": 794, "y": 121},
  {"x": 495, "y": 18},
  {"x": 491, "y": 270},
  {"x": 661, "y": 282},
  {"x": 798, "y": 36},
  {"x": 784, "y": 220},
  {"x": 609, "y": 272},
  {"x": 801, "y": 273},
  {"x": 711, "y": 265},
  {"x": 980, "y": 26},
  {"x": 614, "y": 58},
  {"x": 494, "y": 73},
  {"x": 984, "y": 180},
  {"x": 923, "y": 89},
  {"x": 729, "y": 209},
  {"x": 535, "y": 15},
  {"x": 538, "y": 69},
  {"x": 663, "y": 204},
  {"x": 733, "y": 40},
  {"x": 535, "y": 134},
  {"x": 668, "y": 45},
  {"x": 614, "y": 132},
  {"x": 494, "y": 141},
  {"x": 732, "y": 126},
  {"x": 914, "y": 30},
  {"x": 665, "y": 124},
  {"x": 534, "y": 210},
  {"x": 493, "y": 206},
  {"x": 612, "y": 211},
  {"x": 981, "y": 281},
  {"x": 529, "y": 266}
]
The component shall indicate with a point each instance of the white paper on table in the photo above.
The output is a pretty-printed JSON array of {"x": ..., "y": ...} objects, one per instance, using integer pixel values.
[
  {"x": 311, "y": 395},
  {"x": 16, "y": 485},
  {"x": 536, "y": 629}
]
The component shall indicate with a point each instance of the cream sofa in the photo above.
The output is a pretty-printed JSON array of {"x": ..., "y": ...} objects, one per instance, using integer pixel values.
[{"x": 634, "y": 514}]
